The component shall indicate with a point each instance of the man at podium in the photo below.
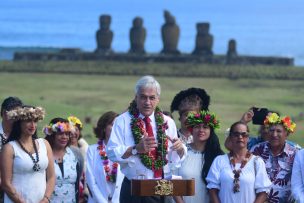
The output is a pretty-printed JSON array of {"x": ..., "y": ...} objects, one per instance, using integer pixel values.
[{"x": 144, "y": 141}]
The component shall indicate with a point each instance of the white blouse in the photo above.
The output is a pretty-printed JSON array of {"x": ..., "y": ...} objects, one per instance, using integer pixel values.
[
  {"x": 297, "y": 177},
  {"x": 253, "y": 180},
  {"x": 192, "y": 168}
]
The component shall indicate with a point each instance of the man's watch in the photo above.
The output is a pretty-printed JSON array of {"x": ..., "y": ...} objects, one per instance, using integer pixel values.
[{"x": 134, "y": 150}]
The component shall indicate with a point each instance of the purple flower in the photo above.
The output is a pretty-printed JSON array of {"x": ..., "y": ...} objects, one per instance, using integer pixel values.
[
  {"x": 114, "y": 171},
  {"x": 105, "y": 162}
]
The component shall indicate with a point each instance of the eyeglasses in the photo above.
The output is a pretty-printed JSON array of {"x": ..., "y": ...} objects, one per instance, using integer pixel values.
[{"x": 237, "y": 134}]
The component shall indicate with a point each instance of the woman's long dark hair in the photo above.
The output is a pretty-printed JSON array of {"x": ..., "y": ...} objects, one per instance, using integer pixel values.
[
  {"x": 212, "y": 150},
  {"x": 16, "y": 131}
]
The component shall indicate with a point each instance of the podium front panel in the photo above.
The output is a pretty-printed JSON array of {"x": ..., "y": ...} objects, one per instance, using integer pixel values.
[{"x": 184, "y": 187}]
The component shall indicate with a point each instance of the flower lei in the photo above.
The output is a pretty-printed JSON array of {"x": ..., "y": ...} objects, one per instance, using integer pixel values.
[
  {"x": 204, "y": 117},
  {"x": 57, "y": 127},
  {"x": 110, "y": 174},
  {"x": 286, "y": 121},
  {"x": 138, "y": 129},
  {"x": 237, "y": 173}
]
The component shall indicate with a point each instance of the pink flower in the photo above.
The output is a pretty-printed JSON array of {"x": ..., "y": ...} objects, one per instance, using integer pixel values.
[{"x": 207, "y": 118}]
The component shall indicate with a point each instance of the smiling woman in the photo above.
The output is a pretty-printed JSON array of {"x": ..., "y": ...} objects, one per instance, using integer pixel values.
[
  {"x": 28, "y": 160},
  {"x": 68, "y": 161},
  {"x": 201, "y": 152},
  {"x": 238, "y": 176}
]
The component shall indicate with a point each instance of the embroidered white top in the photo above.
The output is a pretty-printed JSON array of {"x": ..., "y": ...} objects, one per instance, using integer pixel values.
[{"x": 253, "y": 179}]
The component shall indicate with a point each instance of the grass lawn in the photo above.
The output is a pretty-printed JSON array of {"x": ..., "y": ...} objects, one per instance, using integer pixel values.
[{"x": 91, "y": 95}]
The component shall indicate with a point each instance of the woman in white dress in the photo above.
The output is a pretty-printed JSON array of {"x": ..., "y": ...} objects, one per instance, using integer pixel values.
[
  {"x": 201, "y": 152},
  {"x": 28, "y": 173},
  {"x": 68, "y": 161},
  {"x": 238, "y": 176},
  {"x": 103, "y": 177}
]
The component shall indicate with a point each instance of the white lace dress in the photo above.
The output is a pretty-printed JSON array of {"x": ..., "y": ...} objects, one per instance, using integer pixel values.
[
  {"x": 29, "y": 184},
  {"x": 192, "y": 168}
]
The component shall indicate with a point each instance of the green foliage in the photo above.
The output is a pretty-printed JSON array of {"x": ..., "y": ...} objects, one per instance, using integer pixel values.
[{"x": 232, "y": 72}]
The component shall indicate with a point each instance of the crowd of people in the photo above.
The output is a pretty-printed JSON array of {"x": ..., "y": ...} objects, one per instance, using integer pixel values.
[{"x": 144, "y": 143}]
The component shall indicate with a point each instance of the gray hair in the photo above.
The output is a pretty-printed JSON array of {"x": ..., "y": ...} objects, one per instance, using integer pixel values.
[{"x": 147, "y": 81}]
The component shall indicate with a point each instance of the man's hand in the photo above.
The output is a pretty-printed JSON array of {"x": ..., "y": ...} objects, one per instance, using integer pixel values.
[
  {"x": 178, "y": 146},
  {"x": 146, "y": 144}
]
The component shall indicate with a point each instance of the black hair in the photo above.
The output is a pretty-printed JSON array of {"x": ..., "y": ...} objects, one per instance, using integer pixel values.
[
  {"x": 200, "y": 93},
  {"x": 212, "y": 150},
  {"x": 16, "y": 131},
  {"x": 51, "y": 138},
  {"x": 10, "y": 103}
]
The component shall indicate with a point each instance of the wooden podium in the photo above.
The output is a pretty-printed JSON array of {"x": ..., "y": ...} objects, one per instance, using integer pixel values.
[{"x": 163, "y": 187}]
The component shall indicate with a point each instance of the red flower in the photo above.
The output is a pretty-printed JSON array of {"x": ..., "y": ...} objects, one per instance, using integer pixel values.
[
  {"x": 107, "y": 168},
  {"x": 115, "y": 165},
  {"x": 102, "y": 153},
  {"x": 108, "y": 178}
]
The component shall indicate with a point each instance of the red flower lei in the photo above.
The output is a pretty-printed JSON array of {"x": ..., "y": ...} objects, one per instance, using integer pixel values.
[
  {"x": 237, "y": 173},
  {"x": 111, "y": 172},
  {"x": 138, "y": 129}
]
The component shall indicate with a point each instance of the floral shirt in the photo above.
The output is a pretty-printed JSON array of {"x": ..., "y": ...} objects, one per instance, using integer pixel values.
[
  {"x": 65, "y": 187},
  {"x": 279, "y": 170},
  {"x": 254, "y": 140}
]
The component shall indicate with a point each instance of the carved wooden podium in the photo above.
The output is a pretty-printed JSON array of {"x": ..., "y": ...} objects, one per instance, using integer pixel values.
[{"x": 163, "y": 187}]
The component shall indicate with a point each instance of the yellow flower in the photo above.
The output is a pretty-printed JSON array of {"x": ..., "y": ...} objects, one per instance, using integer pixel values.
[
  {"x": 292, "y": 127},
  {"x": 273, "y": 118},
  {"x": 75, "y": 121}
]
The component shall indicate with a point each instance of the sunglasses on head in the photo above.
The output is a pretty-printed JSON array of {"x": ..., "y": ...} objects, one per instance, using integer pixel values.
[{"x": 237, "y": 134}]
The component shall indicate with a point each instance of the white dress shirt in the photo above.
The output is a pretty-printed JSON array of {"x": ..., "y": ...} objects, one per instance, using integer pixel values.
[
  {"x": 99, "y": 187},
  {"x": 122, "y": 138},
  {"x": 297, "y": 177}
]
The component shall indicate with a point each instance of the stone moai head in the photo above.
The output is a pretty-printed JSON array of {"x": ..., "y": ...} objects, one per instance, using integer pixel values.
[
  {"x": 137, "y": 22},
  {"x": 232, "y": 44},
  {"x": 104, "y": 22},
  {"x": 202, "y": 28},
  {"x": 169, "y": 19}
]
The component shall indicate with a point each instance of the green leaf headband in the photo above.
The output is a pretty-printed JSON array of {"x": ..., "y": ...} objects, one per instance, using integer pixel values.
[{"x": 204, "y": 117}]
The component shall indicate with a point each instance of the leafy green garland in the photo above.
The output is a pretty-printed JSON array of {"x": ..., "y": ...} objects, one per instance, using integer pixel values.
[{"x": 138, "y": 129}]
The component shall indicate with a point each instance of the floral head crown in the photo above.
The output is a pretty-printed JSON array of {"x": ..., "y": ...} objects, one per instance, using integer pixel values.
[
  {"x": 75, "y": 121},
  {"x": 59, "y": 127},
  {"x": 26, "y": 113},
  {"x": 286, "y": 121},
  {"x": 204, "y": 117}
]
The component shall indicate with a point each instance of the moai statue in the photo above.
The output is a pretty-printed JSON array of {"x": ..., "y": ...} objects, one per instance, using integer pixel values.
[
  {"x": 170, "y": 34},
  {"x": 231, "y": 57},
  {"x": 231, "y": 52},
  {"x": 137, "y": 36},
  {"x": 204, "y": 40},
  {"x": 104, "y": 35}
]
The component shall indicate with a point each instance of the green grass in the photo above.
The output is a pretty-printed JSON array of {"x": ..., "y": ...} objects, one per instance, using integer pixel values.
[{"x": 92, "y": 95}]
